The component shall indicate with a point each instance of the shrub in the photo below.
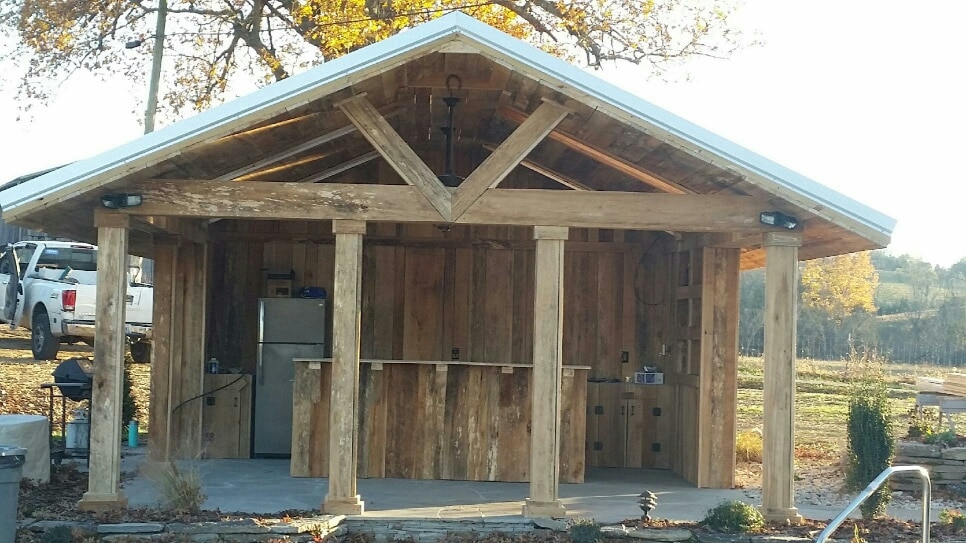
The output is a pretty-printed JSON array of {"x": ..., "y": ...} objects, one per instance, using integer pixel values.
[
  {"x": 129, "y": 406},
  {"x": 583, "y": 530},
  {"x": 954, "y": 518},
  {"x": 946, "y": 437},
  {"x": 748, "y": 446},
  {"x": 180, "y": 490},
  {"x": 870, "y": 442},
  {"x": 734, "y": 517}
]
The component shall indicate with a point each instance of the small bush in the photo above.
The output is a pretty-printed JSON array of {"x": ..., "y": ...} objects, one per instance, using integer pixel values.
[
  {"x": 946, "y": 437},
  {"x": 954, "y": 518},
  {"x": 870, "y": 442},
  {"x": 583, "y": 530},
  {"x": 180, "y": 490},
  {"x": 748, "y": 446},
  {"x": 734, "y": 517}
]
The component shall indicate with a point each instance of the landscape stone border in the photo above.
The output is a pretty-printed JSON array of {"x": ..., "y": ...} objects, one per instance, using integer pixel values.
[
  {"x": 946, "y": 466},
  {"x": 329, "y": 527}
]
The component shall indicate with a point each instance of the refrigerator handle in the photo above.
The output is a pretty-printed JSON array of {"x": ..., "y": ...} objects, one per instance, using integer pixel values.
[{"x": 258, "y": 370}]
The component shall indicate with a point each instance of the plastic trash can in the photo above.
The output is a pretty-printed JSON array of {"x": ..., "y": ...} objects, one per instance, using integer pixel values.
[{"x": 11, "y": 462}]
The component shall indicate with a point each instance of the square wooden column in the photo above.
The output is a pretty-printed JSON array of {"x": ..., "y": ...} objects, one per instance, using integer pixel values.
[
  {"x": 104, "y": 490},
  {"x": 718, "y": 378},
  {"x": 781, "y": 315},
  {"x": 342, "y": 498},
  {"x": 548, "y": 301},
  {"x": 162, "y": 348}
]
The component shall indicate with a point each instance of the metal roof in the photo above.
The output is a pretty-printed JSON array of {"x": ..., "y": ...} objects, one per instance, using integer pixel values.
[{"x": 454, "y": 32}]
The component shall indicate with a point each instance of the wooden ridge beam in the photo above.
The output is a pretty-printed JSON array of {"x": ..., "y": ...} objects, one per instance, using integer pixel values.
[
  {"x": 618, "y": 210},
  {"x": 397, "y": 152},
  {"x": 553, "y": 175},
  {"x": 273, "y": 200},
  {"x": 600, "y": 155},
  {"x": 508, "y": 155}
]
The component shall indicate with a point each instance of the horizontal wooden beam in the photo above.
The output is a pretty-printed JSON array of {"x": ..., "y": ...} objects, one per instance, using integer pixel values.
[
  {"x": 619, "y": 210},
  {"x": 600, "y": 155},
  {"x": 273, "y": 200}
]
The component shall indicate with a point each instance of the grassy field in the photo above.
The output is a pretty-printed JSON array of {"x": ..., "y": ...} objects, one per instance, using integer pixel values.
[{"x": 821, "y": 401}]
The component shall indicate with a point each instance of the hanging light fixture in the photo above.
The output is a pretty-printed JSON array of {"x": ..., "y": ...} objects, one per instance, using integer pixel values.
[{"x": 453, "y": 84}]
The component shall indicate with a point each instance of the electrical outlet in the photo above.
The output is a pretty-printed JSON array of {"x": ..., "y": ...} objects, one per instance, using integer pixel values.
[
  {"x": 625, "y": 357},
  {"x": 455, "y": 353}
]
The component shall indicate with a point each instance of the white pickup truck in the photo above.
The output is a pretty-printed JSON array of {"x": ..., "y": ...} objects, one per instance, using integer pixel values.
[{"x": 50, "y": 287}]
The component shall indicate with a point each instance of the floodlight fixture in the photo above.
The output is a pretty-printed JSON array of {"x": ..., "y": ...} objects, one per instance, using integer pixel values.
[
  {"x": 779, "y": 219},
  {"x": 119, "y": 201}
]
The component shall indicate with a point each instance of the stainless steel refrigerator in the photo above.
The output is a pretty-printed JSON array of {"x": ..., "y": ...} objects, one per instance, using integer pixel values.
[{"x": 287, "y": 328}]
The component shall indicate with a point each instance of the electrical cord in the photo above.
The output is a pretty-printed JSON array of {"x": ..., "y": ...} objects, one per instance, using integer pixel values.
[{"x": 203, "y": 394}]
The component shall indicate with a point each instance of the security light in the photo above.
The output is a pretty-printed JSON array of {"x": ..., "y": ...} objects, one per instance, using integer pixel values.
[
  {"x": 777, "y": 218},
  {"x": 118, "y": 201}
]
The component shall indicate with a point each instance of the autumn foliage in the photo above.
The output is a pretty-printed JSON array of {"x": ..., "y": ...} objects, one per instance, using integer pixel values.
[{"x": 212, "y": 44}]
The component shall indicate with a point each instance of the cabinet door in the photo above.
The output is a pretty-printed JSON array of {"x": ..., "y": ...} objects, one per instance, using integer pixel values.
[
  {"x": 612, "y": 427},
  {"x": 636, "y": 430},
  {"x": 592, "y": 453}
]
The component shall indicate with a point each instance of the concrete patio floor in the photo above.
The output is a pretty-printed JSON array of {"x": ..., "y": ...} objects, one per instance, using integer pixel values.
[{"x": 263, "y": 486}]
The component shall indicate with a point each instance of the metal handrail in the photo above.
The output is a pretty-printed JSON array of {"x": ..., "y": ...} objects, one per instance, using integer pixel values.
[{"x": 873, "y": 486}]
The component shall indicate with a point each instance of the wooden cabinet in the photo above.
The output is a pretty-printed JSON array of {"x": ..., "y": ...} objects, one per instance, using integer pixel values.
[
  {"x": 226, "y": 416},
  {"x": 628, "y": 426}
]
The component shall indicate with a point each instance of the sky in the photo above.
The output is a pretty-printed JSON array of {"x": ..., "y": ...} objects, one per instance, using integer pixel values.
[{"x": 865, "y": 97}]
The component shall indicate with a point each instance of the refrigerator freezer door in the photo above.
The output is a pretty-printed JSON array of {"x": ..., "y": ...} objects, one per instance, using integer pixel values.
[
  {"x": 291, "y": 320},
  {"x": 272, "y": 426}
]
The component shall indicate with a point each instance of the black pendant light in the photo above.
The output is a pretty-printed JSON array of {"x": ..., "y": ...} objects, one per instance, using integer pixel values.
[{"x": 453, "y": 84}]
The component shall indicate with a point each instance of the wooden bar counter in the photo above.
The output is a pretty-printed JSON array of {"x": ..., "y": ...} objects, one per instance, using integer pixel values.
[{"x": 466, "y": 421}]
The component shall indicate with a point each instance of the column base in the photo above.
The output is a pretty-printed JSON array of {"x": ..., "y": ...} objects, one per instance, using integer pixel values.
[
  {"x": 344, "y": 506},
  {"x": 102, "y": 502},
  {"x": 535, "y": 509},
  {"x": 788, "y": 516}
]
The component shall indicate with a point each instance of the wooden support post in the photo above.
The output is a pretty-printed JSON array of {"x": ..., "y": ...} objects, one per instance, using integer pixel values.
[
  {"x": 718, "y": 377},
  {"x": 778, "y": 455},
  {"x": 544, "y": 498},
  {"x": 343, "y": 498},
  {"x": 165, "y": 262},
  {"x": 104, "y": 490}
]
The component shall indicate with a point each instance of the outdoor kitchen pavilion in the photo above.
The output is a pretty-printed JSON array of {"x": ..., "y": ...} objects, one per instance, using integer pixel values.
[{"x": 593, "y": 234}]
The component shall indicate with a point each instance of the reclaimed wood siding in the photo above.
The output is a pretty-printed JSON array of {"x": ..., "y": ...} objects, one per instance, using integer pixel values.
[
  {"x": 447, "y": 302},
  {"x": 428, "y": 421}
]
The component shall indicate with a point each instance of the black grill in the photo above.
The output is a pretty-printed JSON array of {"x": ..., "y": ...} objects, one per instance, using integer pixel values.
[{"x": 75, "y": 377}]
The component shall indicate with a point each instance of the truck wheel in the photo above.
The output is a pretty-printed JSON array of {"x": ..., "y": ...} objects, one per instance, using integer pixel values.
[
  {"x": 43, "y": 344},
  {"x": 141, "y": 352}
]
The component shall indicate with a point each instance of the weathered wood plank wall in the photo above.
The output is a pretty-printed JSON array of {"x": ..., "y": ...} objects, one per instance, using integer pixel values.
[
  {"x": 430, "y": 295},
  {"x": 437, "y": 421},
  {"x": 467, "y": 294}
]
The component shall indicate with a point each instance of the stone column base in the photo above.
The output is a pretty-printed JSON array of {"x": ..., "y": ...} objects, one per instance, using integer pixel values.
[
  {"x": 535, "y": 509},
  {"x": 788, "y": 516},
  {"x": 344, "y": 506},
  {"x": 102, "y": 502}
]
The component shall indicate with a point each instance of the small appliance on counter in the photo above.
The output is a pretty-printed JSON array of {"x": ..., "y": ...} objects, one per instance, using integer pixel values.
[{"x": 650, "y": 376}]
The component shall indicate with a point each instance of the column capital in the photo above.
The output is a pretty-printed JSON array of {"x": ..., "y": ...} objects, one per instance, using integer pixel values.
[
  {"x": 345, "y": 226},
  {"x": 781, "y": 239},
  {"x": 551, "y": 232},
  {"x": 111, "y": 219}
]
